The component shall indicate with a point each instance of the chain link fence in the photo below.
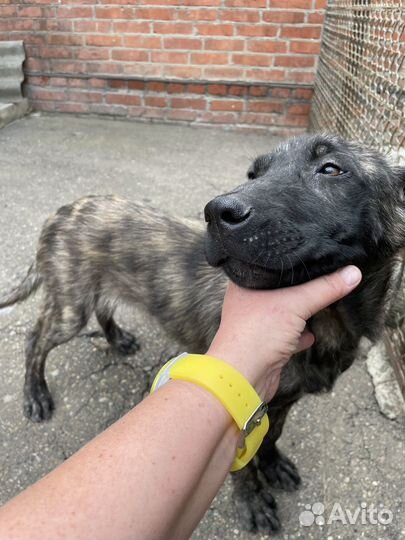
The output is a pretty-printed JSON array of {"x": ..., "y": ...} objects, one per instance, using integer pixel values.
[
  {"x": 360, "y": 86},
  {"x": 360, "y": 94}
]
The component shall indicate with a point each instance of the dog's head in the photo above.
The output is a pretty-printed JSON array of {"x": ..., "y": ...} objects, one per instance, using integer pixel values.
[{"x": 313, "y": 205}]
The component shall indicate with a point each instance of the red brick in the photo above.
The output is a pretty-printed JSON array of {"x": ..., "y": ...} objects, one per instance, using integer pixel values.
[
  {"x": 305, "y": 47},
  {"x": 224, "y": 44},
  {"x": 292, "y": 4},
  {"x": 176, "y": 88},
  {"x": 98, "y": 83},
  {"x": 297, "y": 77},
  {"x": 123, "y": 99},
  {"x": 155, "y": 14},
  {"x": 92, "y": 54},
  {"x": 267, "y": 46},
  {"x": 301, "y": 32},
  {"x": 75, "y": 12},
  {"x": 266, "y": 106},
  {"x": 269, "y": 75},
  {"x": 188, "y": 103},
  {"x": 128, "y": 55},
  {"x": 114, "y": 13},
  {"x": 209, "y": 58},
  {"x": 92, "y": 26},
  {"x": 246, "y": 3},
  {"x": 104, "y": 41},
  {"x": 197, "y": 14},
  {"x": 181, "y": 115},
  {"x": 85, "y": 96},
  {"x": 280, "y": 92},
  {"x": 182, "y": 72},
  {"x": 151, "y": 101},
  {"x": 215, "y": 29},
  {"x": 253, "y": 59},
  {"x": 136, "y": 85},
  {"x": 301, "y": 120},
  {"x": 169, "y": 57},
  {"x": 234, "y": 73},
  {"x": 47, "y": 95},
  {"x": 217, "y": 89},
  {"x": 172, "y": 28},
  {"x": 102, "y": 67},
  {"x": 132, "y": 27},
  {"x": 65, "y": 39},
  {"x": 316, "y": 18},
  {"x": 143, "y": 42},
  {"x": 118, "y": 84},
  {"x": 236, "y": 90},
  {"x": 72, "y": 107},
  {"x": 321, "y": 4},
  {"x": 226, "y": 105},
  {"x": 257, "y": 30},
  {"x": 219, "y": 117},
  {"x": 294, "y": 61},
  {"x": 77, "y": 83},
  {"x": 182, "y": 43},
  {"x": 240, "y": 15},
  {"x": 258, "y": 91},
  {"x": 299, "y": 108},
  {"x": 29, "y": 11},
  {"x": 156, "y": 86},
  {"x": 196, "y": 88},
  {"x": 54, "y": 52},
  {"x": 303, "y": 93},
  {"x": 283, "y": 16},
  {"x": 8, "y": 11}
]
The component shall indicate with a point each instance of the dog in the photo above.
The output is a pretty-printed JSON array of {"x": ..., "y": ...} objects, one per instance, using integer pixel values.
[{"x": 313, "y": 205}]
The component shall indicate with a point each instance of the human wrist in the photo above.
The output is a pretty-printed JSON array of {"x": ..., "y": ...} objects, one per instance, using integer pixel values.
[{"x": 262, "y": 375}]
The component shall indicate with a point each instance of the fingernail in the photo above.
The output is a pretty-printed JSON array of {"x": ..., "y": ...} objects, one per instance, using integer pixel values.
[{"x": 351, "y": 275}]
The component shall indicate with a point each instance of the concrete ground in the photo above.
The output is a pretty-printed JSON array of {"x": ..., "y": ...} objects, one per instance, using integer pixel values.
[{"x": 347, "y": 452}]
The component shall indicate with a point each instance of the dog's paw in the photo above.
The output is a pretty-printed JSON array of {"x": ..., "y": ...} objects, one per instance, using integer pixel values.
[
  {"x": 257, "y": 511},
  {"x": 38, "y": 404},
  {"x": 256, "y": 506},
  {"x": 126, "y": 343},
  {"x": 280, "y": 472}
]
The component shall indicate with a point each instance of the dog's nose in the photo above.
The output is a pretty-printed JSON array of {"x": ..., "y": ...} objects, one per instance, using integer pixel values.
[{"x": 227, "y": 211}]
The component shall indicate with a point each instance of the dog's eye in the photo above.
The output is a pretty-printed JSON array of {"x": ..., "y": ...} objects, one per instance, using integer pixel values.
[{"x": 330, "y": 169}]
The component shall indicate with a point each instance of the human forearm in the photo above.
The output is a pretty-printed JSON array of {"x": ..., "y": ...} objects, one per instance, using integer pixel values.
[{"x": 132, "y": 481}]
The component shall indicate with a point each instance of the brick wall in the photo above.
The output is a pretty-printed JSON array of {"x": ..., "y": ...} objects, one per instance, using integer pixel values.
[{"x": 240, "y": 62}]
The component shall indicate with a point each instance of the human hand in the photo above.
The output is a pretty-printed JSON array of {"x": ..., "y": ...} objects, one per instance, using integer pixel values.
[{"x": 260, "y": 330}]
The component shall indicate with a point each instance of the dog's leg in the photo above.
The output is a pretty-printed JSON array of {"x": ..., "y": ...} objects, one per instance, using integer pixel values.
[
  {"x": 121, "y": 340},
  {"x": 54, "y": 327},
  {"x": 256, "y": 505}
]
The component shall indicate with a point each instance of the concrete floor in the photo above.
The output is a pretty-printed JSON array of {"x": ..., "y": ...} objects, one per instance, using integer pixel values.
[{"x": 347, "y": 452}]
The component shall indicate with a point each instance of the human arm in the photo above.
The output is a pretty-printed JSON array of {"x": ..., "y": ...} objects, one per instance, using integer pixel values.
[{"x": 153, "y": 474}]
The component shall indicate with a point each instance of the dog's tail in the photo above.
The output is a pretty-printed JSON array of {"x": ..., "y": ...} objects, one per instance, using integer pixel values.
[{"x": 21, "y": 292}]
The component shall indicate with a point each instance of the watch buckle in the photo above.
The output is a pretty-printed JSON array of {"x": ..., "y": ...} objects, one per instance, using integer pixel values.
[{"x": 255, "y": 419}]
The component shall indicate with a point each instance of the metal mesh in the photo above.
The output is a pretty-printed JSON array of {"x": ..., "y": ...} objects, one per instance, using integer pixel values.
[
  {"x": 360, "y": 86},
  {"x": 360, "y": 94}
]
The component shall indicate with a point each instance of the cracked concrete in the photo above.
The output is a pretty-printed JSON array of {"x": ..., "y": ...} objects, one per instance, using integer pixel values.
[{"x": 347, "y": 452}]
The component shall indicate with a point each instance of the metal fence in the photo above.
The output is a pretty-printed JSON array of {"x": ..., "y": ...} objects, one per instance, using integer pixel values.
[
  {"x": 360, "y": 86},
  {"x": 360, "y": 94}
]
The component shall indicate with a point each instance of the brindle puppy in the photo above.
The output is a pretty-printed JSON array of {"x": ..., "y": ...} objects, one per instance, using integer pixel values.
[{"x": 313, "y": 205}]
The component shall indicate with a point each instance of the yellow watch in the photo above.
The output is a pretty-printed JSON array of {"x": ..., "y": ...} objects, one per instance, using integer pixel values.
[{"x": 231, "y": 388}]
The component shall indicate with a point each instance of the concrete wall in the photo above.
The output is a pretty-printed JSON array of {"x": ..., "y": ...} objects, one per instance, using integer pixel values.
[{"x": 249, "y": 63}]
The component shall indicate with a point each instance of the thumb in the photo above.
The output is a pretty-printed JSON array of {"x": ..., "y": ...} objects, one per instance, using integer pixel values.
[{"x": 323, "y": 291}]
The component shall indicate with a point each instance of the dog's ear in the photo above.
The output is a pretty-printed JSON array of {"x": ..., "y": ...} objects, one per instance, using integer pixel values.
[{"x": 259, "y": 167}]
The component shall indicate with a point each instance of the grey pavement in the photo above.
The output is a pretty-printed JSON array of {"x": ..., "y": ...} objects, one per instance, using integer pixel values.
[{"x": 347, "y": 452}]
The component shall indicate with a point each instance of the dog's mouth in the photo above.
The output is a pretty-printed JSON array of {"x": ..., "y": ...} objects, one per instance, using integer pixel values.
[{"x": 251, "y": 275}]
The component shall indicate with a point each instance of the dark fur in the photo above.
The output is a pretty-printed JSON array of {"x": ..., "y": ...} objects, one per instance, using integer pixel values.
[{"x": 302, "y": 223}]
